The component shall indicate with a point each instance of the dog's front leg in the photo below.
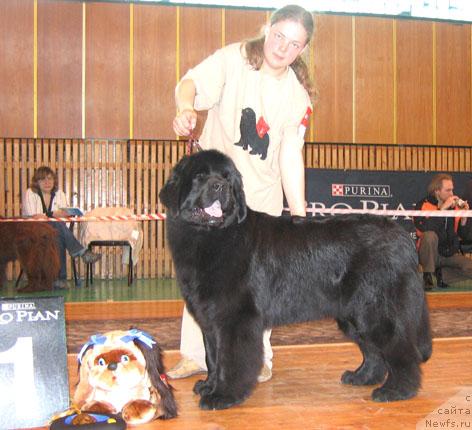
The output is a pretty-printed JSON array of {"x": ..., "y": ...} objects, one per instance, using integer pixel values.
[
  {"x": 238, "y": 359},
  {"x": 204, "y": 387}
]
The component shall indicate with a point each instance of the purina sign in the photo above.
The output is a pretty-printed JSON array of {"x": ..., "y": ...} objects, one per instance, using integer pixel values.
[
  {"x": 370, "y": 190},
  {"x": 360, "y": 190}
]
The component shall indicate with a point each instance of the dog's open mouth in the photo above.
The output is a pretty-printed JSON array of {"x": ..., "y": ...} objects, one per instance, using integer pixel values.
[
  {"x": 214, "y": 210},
  {"x": 212, "y": 214}
]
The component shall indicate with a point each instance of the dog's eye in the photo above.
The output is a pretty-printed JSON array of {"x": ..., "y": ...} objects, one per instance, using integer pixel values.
[
  {"x": 200, "y": 176},
  {"x": 124, "y": 359},
  {"x": 102, "y": 362}
]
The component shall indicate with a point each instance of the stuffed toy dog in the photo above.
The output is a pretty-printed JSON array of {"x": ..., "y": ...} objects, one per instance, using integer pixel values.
[{"x": 122, "y": 372}]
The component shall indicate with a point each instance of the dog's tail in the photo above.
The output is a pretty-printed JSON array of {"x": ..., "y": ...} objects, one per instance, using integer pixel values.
[{"x": 425, "y": 344}]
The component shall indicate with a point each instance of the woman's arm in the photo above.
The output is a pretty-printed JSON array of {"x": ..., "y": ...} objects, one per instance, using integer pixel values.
[
  {"x": 186, "y": 118},
  {"x": 31, "y": 204},
  {"x": 292, "y": 170}
]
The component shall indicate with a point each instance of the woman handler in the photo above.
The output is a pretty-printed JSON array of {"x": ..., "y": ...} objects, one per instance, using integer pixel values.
[{"x": 257, "y": 94}]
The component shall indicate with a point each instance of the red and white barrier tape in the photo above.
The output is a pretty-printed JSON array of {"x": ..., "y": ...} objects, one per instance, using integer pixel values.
[
  {"x": 314, "y": 211},
  {"x": 143, "y": 217},
  {"x": 392, "y": 212}
]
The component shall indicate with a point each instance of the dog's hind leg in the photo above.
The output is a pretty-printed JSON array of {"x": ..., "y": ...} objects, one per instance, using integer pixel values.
[
  {"x": 372, "y": 370},
  {"x": 402, "y": 359}
]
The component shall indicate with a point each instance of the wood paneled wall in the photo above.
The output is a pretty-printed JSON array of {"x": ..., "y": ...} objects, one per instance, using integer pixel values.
[{"x": 108, "y": 70}]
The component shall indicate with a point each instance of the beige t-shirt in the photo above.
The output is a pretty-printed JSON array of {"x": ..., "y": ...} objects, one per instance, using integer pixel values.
[{"x": 226, "y": 85}]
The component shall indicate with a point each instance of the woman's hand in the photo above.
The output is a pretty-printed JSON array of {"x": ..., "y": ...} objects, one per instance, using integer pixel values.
[{"x": 185, "y": 122}]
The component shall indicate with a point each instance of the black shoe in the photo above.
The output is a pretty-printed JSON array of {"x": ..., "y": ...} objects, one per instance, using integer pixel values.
[
  {"x": 439, "y": 279},
  {"x": 89, "y": 257},
  {"x": 428, "y": 283}
]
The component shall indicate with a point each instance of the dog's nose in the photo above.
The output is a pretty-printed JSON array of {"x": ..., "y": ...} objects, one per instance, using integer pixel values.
[
  {"x": 112, "y": 366},
  {"x": 217, "y": 186}
]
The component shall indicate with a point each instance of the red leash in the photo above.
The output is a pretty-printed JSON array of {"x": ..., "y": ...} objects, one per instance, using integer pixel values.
[{"x": 192, "y": 144}]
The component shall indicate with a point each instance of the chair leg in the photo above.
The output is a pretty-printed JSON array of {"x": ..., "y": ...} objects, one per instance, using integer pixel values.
[
  {"x": 91, "y": 273},
  {"x": 20, "y": 275},
  {"x": 88, "y": 271},
  {"x": 130, "y": 266},
  {"x": 74, "y": 271}
]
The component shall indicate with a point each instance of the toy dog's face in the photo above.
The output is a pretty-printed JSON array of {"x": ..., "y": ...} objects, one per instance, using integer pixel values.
[
  {"x": 122, "y": 372},
  {"x": 112, "y": 368}
]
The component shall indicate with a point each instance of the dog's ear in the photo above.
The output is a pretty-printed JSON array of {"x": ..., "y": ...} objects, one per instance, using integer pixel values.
[
  {"x": 170, "y": 192},
  {"x": 239, "y": 196},
  {"x": 167, "y": 406}
]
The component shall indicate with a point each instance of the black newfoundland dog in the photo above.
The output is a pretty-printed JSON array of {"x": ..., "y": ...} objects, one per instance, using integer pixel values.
[{"x": 242, "y": 271}]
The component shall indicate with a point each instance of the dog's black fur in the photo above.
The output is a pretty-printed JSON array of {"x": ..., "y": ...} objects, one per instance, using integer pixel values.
[{"x": 244, "y": 271}]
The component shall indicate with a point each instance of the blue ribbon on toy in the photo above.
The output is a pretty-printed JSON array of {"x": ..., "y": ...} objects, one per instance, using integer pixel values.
[
  {"x": 99, "y": 339},
  {"x": 142, "y": 336},
  {"x": 96, "y": 339}
]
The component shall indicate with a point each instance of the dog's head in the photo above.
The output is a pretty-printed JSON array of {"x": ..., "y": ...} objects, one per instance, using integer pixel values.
[{"x": 205, "y": 189}]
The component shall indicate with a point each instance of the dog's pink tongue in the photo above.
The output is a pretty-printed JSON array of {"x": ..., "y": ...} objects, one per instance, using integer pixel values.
[{"x": 214, "y": 210}]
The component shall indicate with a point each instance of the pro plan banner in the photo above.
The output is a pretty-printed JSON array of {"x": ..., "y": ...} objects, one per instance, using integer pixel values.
[
  {"x": 371, "y": 190},
  {"x": 33, "y": 361}
]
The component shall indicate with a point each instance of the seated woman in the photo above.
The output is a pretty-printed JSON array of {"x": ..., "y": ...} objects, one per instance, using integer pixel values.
[{"x": 42, "y": 200}]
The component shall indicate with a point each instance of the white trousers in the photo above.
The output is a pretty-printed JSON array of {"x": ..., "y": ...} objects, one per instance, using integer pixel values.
[{"x": 191, "y": 342}]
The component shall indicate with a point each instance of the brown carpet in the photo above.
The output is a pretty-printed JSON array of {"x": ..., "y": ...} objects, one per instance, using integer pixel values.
[{"x": 444, "y": 322}]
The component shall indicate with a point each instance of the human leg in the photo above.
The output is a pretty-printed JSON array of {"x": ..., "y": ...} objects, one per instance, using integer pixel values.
[
  {"x": 266, "y": 372},
  {"x": 428, "y": 251},
  {"x": 68, "y": 240},
  {"x": 61, "y": 243},
  {"x": 73, "y": 246},
  {"x": 192, "y": 349},
  {"x": 191, "y": 340},
  {"x": 428, "y": 257}
]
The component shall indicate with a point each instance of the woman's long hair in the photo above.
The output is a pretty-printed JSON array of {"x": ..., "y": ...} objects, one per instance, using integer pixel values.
[
  {"x": 255, "y": 47},
  {"x": 41, "y": 173}
]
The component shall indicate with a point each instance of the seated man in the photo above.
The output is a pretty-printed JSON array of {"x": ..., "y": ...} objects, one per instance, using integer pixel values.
[{"x": 438, "y": 237}]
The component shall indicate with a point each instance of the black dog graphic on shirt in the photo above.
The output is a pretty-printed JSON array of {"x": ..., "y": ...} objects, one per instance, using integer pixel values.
[{"x": 249, "y": 136}]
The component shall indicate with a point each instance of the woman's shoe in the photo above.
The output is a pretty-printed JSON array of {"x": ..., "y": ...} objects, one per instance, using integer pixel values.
[
  {"x": 265, "y": 375},
  {"x": 185, "y": 368},
  {"x": 89, "y": 257}
]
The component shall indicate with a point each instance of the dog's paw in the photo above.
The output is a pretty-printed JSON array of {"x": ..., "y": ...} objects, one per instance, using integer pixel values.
[
  {"x": 384, "y": 394},
  {"x": 202, "y": 387},
  {"x": 362, "y": 378},
  {"x": 218, "y": 401}
]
